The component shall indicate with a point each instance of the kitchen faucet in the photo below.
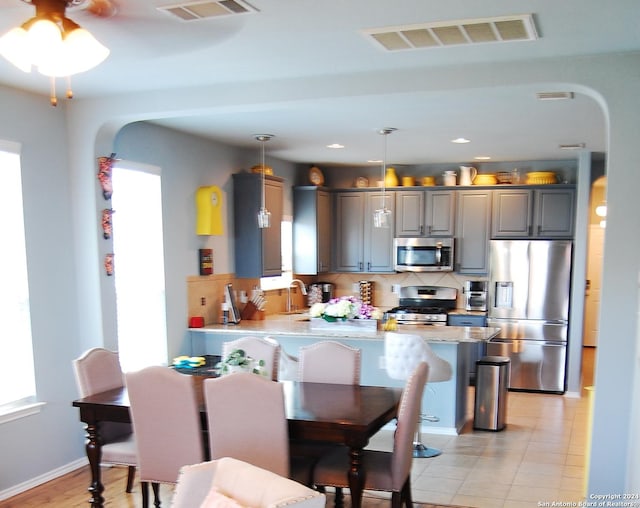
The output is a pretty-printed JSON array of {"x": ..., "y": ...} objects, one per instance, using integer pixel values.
[{"x": 303, "y": 289}]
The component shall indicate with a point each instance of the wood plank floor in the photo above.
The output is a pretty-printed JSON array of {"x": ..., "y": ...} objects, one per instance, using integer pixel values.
[{"x": 70, "y": 491}]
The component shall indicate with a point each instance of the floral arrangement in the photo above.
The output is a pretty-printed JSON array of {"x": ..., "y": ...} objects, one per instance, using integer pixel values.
[
  {"x": 237, "y": 360},
  {"x": 344, "y": 308}
]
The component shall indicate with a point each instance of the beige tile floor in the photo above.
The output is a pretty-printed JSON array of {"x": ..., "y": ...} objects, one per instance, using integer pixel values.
[{"x": 540, "y": 456}]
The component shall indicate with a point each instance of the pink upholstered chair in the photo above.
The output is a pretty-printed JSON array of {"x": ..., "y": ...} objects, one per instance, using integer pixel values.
[
  {"x": 402, "y": 353},
  {"x": 247, "y": 421},
  {"x": 98, "y": 370},
  {"x": 228, "y": 480},
  {"x": 258, "y": 349},
  {"x": 329, "y": 361},
  {"x": 385, "y": 471},
  {"x": 166, "y": 420}
]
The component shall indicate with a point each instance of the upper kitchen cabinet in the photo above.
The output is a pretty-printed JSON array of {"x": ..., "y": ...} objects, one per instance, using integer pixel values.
[
  {"x": 311, "y": 230},
  {"x": 473, "y": 227},
  {"x": 425, "y": 213},
  {"x": 358, "y": 245},
  {"x": 258, "y": 252},
  {"x": 533, "y": 213}
]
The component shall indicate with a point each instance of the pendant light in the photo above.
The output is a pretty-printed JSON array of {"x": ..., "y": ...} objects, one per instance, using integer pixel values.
[
  {"x": 264, "y": 215},
  {"x": 382, "y": 215}
]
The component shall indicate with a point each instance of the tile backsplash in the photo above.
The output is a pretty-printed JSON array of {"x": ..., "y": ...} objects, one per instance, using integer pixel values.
[{"x": 206, "y": 293}]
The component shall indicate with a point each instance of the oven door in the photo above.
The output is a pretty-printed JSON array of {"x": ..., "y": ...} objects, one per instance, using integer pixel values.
[{"x": 423, "y": 255}]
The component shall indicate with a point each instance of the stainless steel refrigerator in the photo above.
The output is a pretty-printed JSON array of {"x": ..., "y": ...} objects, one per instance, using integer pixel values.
[{"x": 529, "y": 290}]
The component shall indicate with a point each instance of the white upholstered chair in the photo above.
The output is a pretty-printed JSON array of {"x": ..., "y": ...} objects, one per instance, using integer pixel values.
[
  {"x": 287, "y": 364},
  {"x": 247, "y": 421},
  {"x": 98, "y": 370},
  {"x": 384, "y": 471},
  {"x": 243, "y": 483},
  {"x": 166, "y": 420},
  {"x": 402, "y": 353},
  {"x": 258, "y": 349},
  {"x": 329, "y": 361}
]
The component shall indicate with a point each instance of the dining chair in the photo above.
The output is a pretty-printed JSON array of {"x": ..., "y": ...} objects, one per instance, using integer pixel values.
[
  {"x": 287, "y": 364},
  {"x": 402, "y": 352},
  {"x": 98, "y": 370},
  {"x": 384, "y": 471},
  {"x": 166, "y": 420},
  {"x": 228, "y": 480},
  {"x": 247, "y": 420},
  {"x": 329, "y": 361},
  {"x": 257, "y": 348}
]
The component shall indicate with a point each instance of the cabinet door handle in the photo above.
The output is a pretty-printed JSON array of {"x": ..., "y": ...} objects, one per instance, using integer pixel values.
[
  {"x": 421, "y": 229},
  {"x": 360, "y": 265},
  {"x": 539, "y": 229},
  {"x": 429, "y": 230},
  {"x": 369, "y": 266},
  {"x": 530, "y": 230}
]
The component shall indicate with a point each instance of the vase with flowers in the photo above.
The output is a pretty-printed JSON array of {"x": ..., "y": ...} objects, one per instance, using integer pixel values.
[{"x": 345, "y": 313}]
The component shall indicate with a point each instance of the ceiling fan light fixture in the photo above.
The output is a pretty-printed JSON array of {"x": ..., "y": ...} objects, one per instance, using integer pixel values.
[{"x": 52, "y": 43}]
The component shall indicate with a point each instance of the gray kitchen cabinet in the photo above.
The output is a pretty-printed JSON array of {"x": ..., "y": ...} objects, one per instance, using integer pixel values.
[
  {"x": 533, "y": 213},
  {"x": 477, "y": 349},
  {"x": 425, "y": 213},
  {"x": 359, "y": 246},
  {"x": 311, "y": 230},
  {"x": 473, "y": 227},
  {"x": 258, "y": 252}
]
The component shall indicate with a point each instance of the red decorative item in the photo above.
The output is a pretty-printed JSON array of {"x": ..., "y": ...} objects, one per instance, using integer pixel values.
[
  {"x": 106, "y": 222},
  {"x": 108, "y": 264},
  {"x": 105, "y": 165}
]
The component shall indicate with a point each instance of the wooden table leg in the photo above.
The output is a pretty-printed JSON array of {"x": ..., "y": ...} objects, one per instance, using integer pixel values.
[
  {"x": 94, "y": 454},
  {"x": 356, "y": 477}
]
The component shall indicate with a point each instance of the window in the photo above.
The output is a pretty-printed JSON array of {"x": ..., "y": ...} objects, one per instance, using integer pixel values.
[
  {"x": 17, "y": 375},
  {"x": 139, "y": 265},
  {"x": 284, "y": 280}
]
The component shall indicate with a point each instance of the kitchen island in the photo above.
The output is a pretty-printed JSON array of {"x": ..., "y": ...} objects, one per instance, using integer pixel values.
[{"x": 447, "y": 400}]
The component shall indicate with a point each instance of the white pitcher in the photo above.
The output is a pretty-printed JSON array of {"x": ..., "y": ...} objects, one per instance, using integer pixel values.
[{"x": 467, "y": 175}]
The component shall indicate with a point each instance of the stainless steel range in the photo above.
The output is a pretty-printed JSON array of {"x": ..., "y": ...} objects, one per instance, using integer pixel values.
[{"x": 424, "y": 305}]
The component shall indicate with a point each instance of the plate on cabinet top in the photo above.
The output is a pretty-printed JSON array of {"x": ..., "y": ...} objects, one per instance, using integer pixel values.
[{"x": 315, "y": 176}]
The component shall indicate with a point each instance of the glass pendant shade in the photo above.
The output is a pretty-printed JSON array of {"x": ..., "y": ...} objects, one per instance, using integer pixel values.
[
  {"x": 382, "y": 216},
  {"x": 264, "y": 215},
  {"x": 264, "y": 218}
]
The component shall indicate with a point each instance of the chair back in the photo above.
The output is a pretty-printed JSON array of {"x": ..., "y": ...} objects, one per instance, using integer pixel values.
[
  {"x": 329, "y": 362},
  {"x": 166, "y": 420},
  {"x": 403, "y": 352},
  {"x": 247, "y": 421},
  {"x": 97, "y": 370},
  {"x": 408, "y": 413},
  {"x": 258, "y": 349}
]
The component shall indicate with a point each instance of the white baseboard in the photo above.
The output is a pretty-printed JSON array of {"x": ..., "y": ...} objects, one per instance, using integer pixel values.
[{"x": 43, "y": 478}]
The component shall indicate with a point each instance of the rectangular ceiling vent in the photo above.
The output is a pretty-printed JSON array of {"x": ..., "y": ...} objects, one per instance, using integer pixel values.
[
  {"x": 206, "y": 9},
  {"x": 455, "y": 33}
]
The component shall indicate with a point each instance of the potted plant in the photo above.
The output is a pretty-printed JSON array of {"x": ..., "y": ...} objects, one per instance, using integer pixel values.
[{"x": 238, "y": 361}]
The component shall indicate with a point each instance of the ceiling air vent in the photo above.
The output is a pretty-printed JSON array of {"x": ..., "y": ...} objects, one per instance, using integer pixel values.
[
  {"x": 455, "y": 33},
  {"x": 206, "y": 9}
]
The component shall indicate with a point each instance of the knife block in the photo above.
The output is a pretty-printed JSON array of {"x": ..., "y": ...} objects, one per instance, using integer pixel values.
[{"x": 251, "y": 312}]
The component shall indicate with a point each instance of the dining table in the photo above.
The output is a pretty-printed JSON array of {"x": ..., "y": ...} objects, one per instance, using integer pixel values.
[{"x": 342, "y": 414}]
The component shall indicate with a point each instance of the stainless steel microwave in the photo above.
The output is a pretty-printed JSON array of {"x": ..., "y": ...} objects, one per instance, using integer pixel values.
[{"x": 423, "y": 254}]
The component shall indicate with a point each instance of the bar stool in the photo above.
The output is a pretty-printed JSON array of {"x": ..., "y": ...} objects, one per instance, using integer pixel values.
[{"x": 403, "y": 352}]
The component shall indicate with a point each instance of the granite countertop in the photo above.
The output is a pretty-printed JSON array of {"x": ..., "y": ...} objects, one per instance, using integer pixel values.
[{"x": 299, "y": 325}]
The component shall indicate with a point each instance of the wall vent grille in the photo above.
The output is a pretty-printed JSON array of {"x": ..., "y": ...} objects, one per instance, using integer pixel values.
[
  {"x": 206, "y": 9},
  {"x": 454, "y": 33}
]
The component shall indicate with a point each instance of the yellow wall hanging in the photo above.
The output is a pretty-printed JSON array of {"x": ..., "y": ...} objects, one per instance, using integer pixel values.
[{"x": 209, "y": 211}]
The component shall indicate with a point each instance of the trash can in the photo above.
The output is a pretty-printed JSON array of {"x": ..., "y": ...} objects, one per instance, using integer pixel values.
[{"x": 492, "y": 383}]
